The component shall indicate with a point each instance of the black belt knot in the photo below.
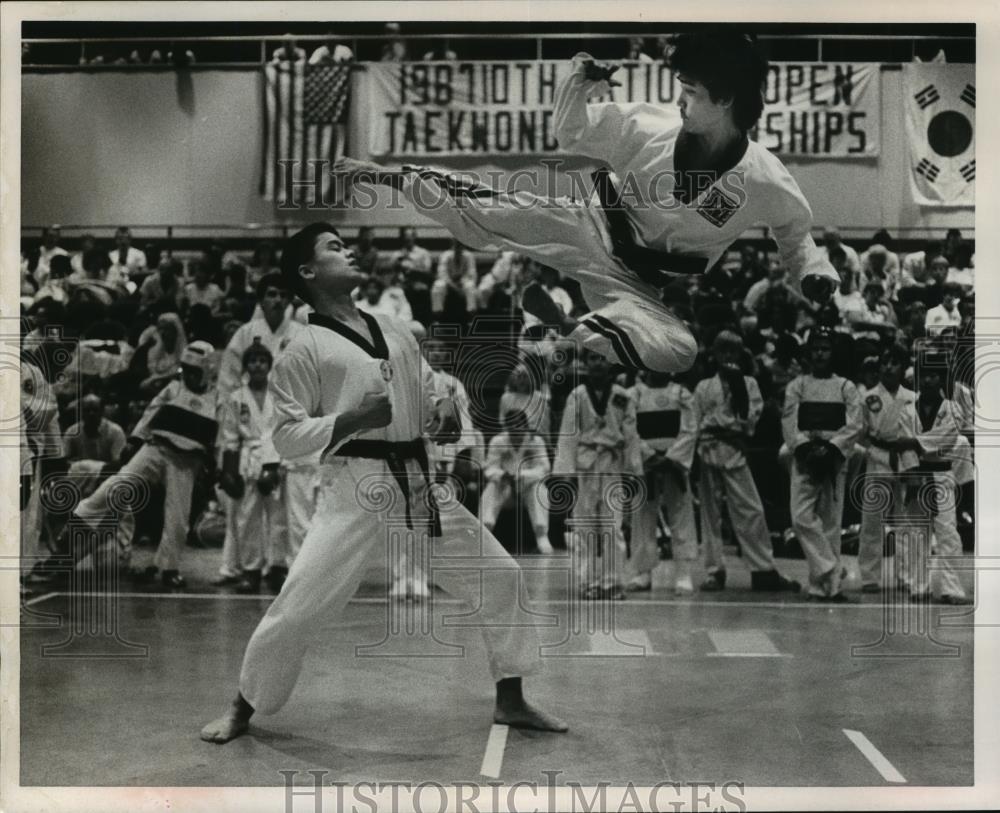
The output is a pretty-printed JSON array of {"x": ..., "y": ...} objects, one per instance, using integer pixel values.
[{"x": 395, "y": 454}]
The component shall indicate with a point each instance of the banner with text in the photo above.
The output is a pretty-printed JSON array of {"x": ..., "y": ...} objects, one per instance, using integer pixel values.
[{"x": 815, "y": 109}]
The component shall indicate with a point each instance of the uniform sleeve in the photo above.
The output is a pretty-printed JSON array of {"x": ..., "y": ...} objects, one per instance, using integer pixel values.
[
  {"x": 164, "y": 396},
  {"x": 756, "y": 405},
  {"x": 943, "y": 435},
  {"x": 294, "y": 385},
  {"x": 565, "y": 460},
  {"x": 118, "y": 441},
  {"x": 229, "y": 424},
  {"x": 645, "y": 450},
  {"x": 633, "y": 454},
  {"x": 604, "y": 131},
  {"x": 845, "y": 437},
  {"x": 683, "y": 447},
  {"x": 790, "y": 222},
  {"x": 68, "y": 444},
  {"x": 230, "y": 369},
  {"x": 493, "y": 470},
  {"x": 536, "y": 464},
  {"x": 790, "y": 416}
]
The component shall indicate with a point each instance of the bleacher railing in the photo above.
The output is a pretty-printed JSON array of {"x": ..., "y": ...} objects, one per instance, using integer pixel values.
[{"x": 251, "y": 51}]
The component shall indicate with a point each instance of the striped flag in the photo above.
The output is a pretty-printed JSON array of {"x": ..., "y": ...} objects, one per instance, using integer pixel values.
[{"x": 305, "y": 127}]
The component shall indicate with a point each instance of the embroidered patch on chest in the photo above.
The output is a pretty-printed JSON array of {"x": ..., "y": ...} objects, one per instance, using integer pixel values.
[
  {"x": 718, "y": 207},
  {"x": 874, "y": 403}
]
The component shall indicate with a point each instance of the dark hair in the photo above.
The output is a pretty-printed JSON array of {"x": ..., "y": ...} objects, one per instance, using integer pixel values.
[
  {"x": 883, "y": 238},
  {"x": 271, "y": 281},
  {"x": 728, "y": 64},
  {"x": 298, "y": 250},
  {"x": 952, "y": 288},
  {"x": 257, "y": 350},
  {"x": 836, "y": 253},
  {"x": 60, "y": 266},
  {"x": 895, "y": 354}
]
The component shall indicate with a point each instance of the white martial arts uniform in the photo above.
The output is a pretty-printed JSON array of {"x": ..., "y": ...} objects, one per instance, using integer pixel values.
[
  {"x": 179, "y": 428},
  {"x": 301, "y": 478},
  {"x": 628, "y": 323},
  {"x": 827, "y": 409},
  {"x": 666, "y": 425},
  {"x": 325, "y": 372},
  {"x": 514, "y": 472},
  {"x": 887, "y": 417},
  {"x": 260, "y": 525},
  {"x": 598, "y": 445},
  {"x": 938, "y": 440},
  {"x": 725, "y": 476}
]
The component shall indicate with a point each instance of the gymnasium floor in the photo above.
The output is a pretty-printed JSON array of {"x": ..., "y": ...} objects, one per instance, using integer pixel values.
[{"x": 731, "y": 687}]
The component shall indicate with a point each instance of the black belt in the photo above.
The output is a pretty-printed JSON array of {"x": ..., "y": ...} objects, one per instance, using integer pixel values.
[
  {"x": 890, "y": 447},
  {"x": 651, "y": 266},
  {"x": 395, "y": 454}
]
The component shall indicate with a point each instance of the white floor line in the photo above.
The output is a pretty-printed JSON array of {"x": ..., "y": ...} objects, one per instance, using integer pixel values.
[
  {"x": 623, "y": 640},
  {"x": 493, "y": 758},
  {"x": 743, "y": 644},
  {"x": 38, "y": 599},
  {"x": 875, "y": 757}
]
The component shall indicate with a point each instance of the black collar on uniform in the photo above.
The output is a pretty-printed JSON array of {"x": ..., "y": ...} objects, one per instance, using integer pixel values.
[
  {"x": 600, "y": 405},
  {"x": 380, "y": 350}
]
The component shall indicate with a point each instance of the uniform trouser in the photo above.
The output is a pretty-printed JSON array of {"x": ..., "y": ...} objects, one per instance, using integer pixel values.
[
  {"x": 154, "y": 463},
  {"x": 301, "y": 485},
  {"x": 887, "y": 493},
  {"x": 817, "y": 509},
  {"x": 348, "y": 532},
  {"x": 594, "y": 531},
  {"x": 628, "y": 322},
  {"x": 230, "y": 546},
  {"x": 938, "y": 574},
  {"x": 736, "y": 487},
  {"x": 500, "y": 494},
  {"x": 664, "y": 492},
  {"x": 261, "y": 528}
]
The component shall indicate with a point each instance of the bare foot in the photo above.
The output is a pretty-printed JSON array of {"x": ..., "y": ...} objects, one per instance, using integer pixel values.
[
  {"x": 226, "y": 728},
  {"x": 524, "y": 716},
  {"x": 536, "y": 301}
]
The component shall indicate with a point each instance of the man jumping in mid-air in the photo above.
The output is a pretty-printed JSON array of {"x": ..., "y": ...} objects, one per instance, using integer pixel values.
[{"x": 683, "y": 195}]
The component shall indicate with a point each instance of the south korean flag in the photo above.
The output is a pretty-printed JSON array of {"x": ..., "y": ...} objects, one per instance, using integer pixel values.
[{"x": 941, "y": 129}]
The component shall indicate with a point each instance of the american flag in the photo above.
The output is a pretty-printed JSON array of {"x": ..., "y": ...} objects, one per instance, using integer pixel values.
[{"x": 305, "y": 120}]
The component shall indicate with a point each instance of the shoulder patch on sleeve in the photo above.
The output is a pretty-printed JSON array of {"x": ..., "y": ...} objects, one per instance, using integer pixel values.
[{"x": 718, "y": 207}]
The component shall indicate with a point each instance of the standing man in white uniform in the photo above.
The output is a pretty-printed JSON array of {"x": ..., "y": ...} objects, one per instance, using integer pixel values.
[
  {"x": 668, "y": 436},
  {"x": 887, "y": 411},
  {"x": 275, "y": 331},
  {"x": 355, "y": 389},
  {"x": 727, "y": 407},
  {"x": 686, "y": 193},
  {"x": 821, "y": 421},
  {"x": 937, "y": 435}
]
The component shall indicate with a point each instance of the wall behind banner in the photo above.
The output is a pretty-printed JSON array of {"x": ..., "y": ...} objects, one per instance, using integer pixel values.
[{"x": 185, "y": 149}]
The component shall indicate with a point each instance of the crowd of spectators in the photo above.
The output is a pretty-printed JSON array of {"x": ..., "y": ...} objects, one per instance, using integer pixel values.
[{"x": 105, "y": 325}]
